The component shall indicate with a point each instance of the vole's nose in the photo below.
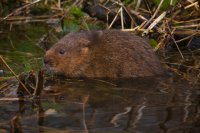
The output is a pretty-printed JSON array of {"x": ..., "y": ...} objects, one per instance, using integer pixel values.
[{"x": 46, "y": 60}]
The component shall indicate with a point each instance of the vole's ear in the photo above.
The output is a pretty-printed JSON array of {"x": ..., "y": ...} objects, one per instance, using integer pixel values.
[
  {"x": 97, "y": 34},
  {"x": 92, "y": 39},
  {"x": 95, "y": 37},
  {"x": 84, "y": 42}
]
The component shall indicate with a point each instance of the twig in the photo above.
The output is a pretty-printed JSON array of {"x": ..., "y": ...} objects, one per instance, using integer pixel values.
[
  {"x": 187, "y": 21},
  {"x": 22, "y": 18},
  {"x": 114, "y": 19},
  {"x": 161, "y": 42},
  {"x": 155, "y": 22},
  {"x": 187, "y": 32},
  {"x": 192, "y": 38},
  {"x": 138, "y": 5},
  {"x": 122, "y": 18},
  {"x": 155, "y": 13},
  {"x": 59, "y": 4},
  {"x": 131, "y": 17},
  {"x": 191, "y": 5},
  {"x": 170, "y": 32},
  {"x": 64, "y": 15},
  {"x": 133, "y": 29},
  {"x": 186, "y": 38},
  {"x": 138, "y": 15},
  {"x": 187, "y": 26},
  {"x": 171, "y": 15},
  {"x": 147, "y": 5},
  {"x": 19, "y": 9},
  {"x": 15, "y": 75},
  {"x": 39, "y": 83}
]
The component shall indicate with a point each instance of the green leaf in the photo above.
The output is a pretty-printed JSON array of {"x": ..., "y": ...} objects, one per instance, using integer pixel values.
[
  {"x": 127, "y": 2},
  {"x": 165, "y": 5},
  {"x": 27, "y": 65},
  {"x": 70, "y": 26},
  {"x": 153, "y": 43},
  {"x": 76, "y": 12}
]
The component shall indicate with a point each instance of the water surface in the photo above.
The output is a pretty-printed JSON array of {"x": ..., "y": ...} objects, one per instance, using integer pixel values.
[{"x": 141, "y": 105}]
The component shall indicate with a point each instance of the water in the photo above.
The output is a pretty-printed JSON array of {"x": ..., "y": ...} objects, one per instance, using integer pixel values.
[{"x": 142, "y": 105}]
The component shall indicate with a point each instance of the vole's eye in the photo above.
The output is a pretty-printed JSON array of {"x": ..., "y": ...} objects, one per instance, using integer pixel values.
[{"x": 62, "y": 51}]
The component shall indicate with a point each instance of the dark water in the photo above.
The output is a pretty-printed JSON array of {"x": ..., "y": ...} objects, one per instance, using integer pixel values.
[{"x": 142, "y": 105}]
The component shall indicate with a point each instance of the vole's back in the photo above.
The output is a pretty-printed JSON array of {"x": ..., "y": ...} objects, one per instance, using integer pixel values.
[
  {"x": 127, "y": 54},
  {"x": 109, "y": 53}
]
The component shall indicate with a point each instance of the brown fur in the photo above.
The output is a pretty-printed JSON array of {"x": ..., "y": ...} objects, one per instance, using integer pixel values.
[{"x": 109, "y": 53}]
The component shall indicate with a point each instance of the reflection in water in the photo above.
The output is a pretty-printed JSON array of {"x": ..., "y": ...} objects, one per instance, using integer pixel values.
[
  {"x": 142, "y": 105},
  {"x": 117, "y": 117}
]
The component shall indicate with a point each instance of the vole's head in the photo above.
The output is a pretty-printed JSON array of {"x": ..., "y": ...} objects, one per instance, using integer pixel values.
[{"x": 70, "y": 55}]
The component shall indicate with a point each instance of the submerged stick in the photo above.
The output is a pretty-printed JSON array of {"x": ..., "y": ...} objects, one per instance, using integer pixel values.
[
  {"x": 15, "y": 75},
  {"x": 39, "y": 84},
  {"x": 85, "y": 100}
]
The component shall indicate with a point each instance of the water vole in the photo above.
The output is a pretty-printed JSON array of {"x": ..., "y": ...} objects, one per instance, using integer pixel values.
[{"x": 99, "y": 54}]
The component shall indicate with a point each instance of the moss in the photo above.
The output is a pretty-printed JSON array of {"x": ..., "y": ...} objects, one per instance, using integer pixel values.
[{"x": 19, "y": 48}]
